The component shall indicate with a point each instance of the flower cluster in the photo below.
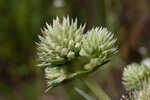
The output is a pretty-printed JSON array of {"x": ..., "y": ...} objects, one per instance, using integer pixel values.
[
  {"x": 134, "y": 75},
  {"x": 66, "y": 52}
]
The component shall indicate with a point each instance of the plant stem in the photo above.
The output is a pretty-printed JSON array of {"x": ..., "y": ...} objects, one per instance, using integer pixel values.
[
  {"x": 96, "y": 89},
  {"x": 85, "y": 95},
  {"x": 72, "y": 94}
]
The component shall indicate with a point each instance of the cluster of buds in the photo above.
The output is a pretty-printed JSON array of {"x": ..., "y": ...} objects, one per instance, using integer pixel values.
[{"x": 66, "y": 52}]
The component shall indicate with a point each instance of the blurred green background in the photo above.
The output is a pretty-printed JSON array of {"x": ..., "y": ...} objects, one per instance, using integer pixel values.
[{"x": 22, "y": 20}]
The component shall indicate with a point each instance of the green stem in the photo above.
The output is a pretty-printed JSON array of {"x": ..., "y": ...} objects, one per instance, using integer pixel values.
[
  {"x": 72, "y": 94},
  {"x": 96, "y": 89},
  {"x": 85, "y": 95}
]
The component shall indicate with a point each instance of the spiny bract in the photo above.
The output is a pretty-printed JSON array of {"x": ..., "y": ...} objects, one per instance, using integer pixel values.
[
  {"x": 66, "y": 52},
  {"x": 134, "y": 75}
]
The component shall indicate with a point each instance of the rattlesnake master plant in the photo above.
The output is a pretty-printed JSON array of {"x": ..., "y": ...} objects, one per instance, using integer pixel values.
[
  {"x": 134, "y": 74},
  {"x": 66, "y": 52}
]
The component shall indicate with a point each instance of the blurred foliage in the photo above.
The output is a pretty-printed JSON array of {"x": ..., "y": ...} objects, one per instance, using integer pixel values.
[{"x": 20, "y": 24}]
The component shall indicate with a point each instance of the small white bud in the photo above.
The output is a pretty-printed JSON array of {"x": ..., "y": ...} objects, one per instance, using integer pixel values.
[
  {"x": 64, "y": 51},
  {"x": 78, "y": 38},
  {"x": 71, "y": 42},
  {"x": 53, "y": 45},
  {"x": 58, "y": 48},
  {"x": 59, "y": 37},
  {"x": 50, "y": 51},
  {"x": 65, "y": 40},
  {"x": 58, "y": 57},
  {"x": 71, "y": 55},
  {"x": 77, "y": 45}
]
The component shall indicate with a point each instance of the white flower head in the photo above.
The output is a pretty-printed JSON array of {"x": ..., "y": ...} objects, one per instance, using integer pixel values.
[
  {"x": 98, "y": 43},
  {"x": 133, "y": 76},
  {"x": 59, "y": 39}
]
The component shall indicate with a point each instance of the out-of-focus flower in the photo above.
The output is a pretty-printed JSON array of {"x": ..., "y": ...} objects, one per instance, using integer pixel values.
[
  {"x": 59, "y": 3},
  {"x": 133, "y": 76},
  {"x": 143, "y": 93},
  {"x": 146, "y": 62}
]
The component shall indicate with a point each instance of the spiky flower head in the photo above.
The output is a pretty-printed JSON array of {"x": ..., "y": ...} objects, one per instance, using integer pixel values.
[
  {"x": 98, "y": 44},
  {"x": 61, "y": 42},
  {"x": 133, "y": 76},
  {"x": 143, "y": 93},
  {"x": 66, "y": 52}
]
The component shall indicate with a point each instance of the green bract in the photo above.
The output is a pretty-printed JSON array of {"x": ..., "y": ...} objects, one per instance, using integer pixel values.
[
  {"x": 66, "y": 52},
  {"x": 134, "y": 75}
]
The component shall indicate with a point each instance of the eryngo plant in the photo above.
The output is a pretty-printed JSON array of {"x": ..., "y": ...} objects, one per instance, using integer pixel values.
[
  {"x": 66, "y": 52},
  {"x": 134, "y": 75}
]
